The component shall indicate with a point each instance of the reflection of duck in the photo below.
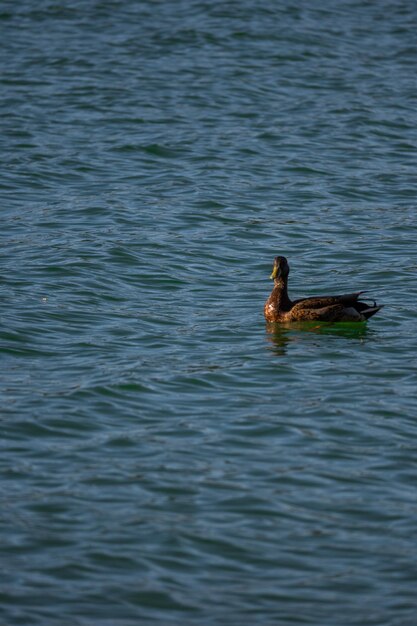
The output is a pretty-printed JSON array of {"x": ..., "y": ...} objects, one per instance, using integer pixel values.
[
  {"x": 344, "y": 308},
  {"x": 281, "y": 336}
]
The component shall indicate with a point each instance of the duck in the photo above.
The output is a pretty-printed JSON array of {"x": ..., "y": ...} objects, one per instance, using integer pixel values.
[{"x": 343, "y": 308}]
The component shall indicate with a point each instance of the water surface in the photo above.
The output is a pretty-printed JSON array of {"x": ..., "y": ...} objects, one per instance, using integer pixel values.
[{"x": 166, "y": 457}]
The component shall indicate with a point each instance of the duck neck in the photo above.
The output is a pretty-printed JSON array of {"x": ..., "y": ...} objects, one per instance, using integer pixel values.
[{"x": 279, "y": 296}]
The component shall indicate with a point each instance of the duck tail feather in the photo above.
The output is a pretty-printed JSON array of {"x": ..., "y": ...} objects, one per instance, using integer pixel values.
[{"x": 367, "y": 313}]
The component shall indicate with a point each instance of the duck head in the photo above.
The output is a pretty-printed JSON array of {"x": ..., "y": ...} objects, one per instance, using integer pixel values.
[{"x": 281, "y": 268}]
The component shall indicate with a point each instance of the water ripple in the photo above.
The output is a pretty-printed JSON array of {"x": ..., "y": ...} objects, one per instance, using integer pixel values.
[{"x": 166, "y": 457}]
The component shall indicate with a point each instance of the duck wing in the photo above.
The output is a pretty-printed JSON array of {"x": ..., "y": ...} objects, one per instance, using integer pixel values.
[
  {"x": 347, "y": 299},
  {"x": 333, "y": 309},
  {"x": 331, "y": 313}
]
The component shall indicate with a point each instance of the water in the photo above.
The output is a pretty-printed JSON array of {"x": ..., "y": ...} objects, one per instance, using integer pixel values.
[{"x": 166, "y": 458}]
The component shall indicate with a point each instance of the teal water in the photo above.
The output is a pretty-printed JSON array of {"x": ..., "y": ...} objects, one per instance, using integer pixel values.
[{"x": 167, "y": 458}]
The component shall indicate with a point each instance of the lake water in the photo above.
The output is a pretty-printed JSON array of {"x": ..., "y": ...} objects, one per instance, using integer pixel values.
[{"x": 166, "y": 458}]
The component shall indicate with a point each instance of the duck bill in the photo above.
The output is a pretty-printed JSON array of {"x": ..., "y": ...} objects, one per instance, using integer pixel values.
[{"x": 276, "y": 273}]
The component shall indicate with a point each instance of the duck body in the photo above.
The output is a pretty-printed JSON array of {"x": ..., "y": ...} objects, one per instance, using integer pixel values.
[{"x": 342, "y": 308}]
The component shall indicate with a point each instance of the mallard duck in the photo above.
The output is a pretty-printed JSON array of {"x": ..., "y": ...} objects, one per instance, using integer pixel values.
[{"x": 344, "y": 308}]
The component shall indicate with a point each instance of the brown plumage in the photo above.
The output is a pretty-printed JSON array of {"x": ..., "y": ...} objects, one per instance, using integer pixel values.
[{"x": 344, "y": 308}]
